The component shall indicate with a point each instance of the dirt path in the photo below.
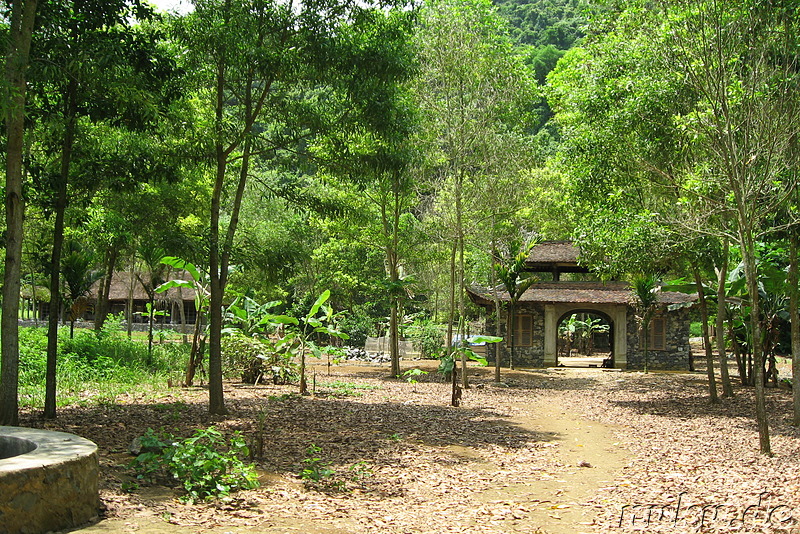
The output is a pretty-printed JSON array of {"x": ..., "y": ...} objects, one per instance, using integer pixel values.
[
  {"x": 507, "y": 461},
  {"x": 547, "y": 486},
  {"x": 590, "y": 458}
]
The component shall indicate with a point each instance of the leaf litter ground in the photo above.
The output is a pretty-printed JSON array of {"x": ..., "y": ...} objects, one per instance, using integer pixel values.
[{"x": 556, "y": 451}]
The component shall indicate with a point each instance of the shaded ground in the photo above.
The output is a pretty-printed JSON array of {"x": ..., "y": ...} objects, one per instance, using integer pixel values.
[{"x": 561, "y": 451}]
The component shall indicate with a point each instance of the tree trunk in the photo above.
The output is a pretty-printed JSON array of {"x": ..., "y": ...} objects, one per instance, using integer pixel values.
[
  {"x": 722, "y": 275},
  {"x": 741, "y": 364},
  {"x": 195, "y": 354},
  {"x": 150, "y": 321},
  {"x": 391, "y": 230},
  {"x": 747, "y": 245},
  {"x": 101, "y": 307},
  {"x": 130, "y": 300},
  {"x": 17, "y": 54},
  {"x": 496, "y": 301},
  {"x": 394, "y": 340},
  {"x": 216, "y": 401},
  {"x": 712, "y": 383},
  {"x": 34, "y": 309},
  {"x": 510, "y": 328},
  {"x": 182, "y": 313},
  {"x": 455, "y": 399},
  {"x": 58, "y": 240},
  {"x": 794, "y": 317},
  {"x": 461, "y": 277},
  {"x": 645, "y": 339}
]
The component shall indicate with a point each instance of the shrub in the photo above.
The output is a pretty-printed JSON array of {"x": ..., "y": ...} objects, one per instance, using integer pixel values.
[
  {"x": 203, "y": 469},
  {"x": 358, "y": 325},
  {"x": 428, "y": 336},
  {"x": 106, "y": 362},
  {"x": 255, "y": 358}
]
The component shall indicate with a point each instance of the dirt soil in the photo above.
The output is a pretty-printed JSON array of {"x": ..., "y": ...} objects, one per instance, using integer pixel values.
[{"x": 549, "y": 451}]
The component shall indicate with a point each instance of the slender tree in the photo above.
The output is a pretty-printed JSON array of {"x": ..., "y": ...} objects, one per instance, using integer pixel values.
[
  {"x": 264, "y": 68},
  {"x": 509, "y": 271},
  {"x": 701, "y": 295},
  {"x": 471, "y": 84},
  {"x": 794, "y": 318},
  {"x": 18, "y": 46},
  {"x": 722, "y": 310},
  {"x": 645, "y": 289}
]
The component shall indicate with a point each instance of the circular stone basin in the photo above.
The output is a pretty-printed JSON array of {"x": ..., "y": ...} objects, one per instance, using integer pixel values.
[
  {"x": 13, "y": 446},
  {"x": 48, "y": 480}
]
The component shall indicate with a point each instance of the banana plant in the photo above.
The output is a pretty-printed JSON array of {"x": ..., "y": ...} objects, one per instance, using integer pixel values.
[
  {"x": 198, "y": 284},
  {"x": 509, "y": 273},
  {"x": 447, "y": 363},
  {"x": 314, "y": 323}
]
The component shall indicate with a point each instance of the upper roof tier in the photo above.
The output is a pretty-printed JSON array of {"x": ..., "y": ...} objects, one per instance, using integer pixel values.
[{"x": 550, "y": 256}]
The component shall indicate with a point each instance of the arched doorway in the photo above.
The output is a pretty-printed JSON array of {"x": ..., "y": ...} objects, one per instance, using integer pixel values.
[{"x": 585, "y": 338}]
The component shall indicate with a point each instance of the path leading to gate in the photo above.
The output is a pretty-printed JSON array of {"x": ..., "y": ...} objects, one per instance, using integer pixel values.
[
  {"x": 550, "y": 485},
  {"x": 590, "y": 458}
]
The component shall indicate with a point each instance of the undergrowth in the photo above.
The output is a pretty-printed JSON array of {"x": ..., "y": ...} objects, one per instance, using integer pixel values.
[
  {"x": 94, "y": 367},
  {"x": 348, "y": 389},
  {"x": 204, "y": 464}
]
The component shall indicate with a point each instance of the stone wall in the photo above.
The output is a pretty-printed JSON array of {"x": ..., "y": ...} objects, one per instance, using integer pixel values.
[
  {"x": 532, "y": 356},
  {"x": 676, "y": 354},
  {"x": 51, "y": 488}
]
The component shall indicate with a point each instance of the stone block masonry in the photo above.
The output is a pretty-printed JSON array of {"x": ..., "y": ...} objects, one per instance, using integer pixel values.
[{"x": 48, "y": 481}]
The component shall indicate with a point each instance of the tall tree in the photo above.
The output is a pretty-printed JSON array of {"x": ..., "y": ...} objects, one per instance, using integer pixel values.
[
  {"x": 725, "y": 73},
  {"x": 740, "y": 58},
  {"x": 265, "y": 68},
  {"x": 379, "y": 154},
  {"x": 84, "y": 72},
  {"x": 471, "y": 89},
  {"x": 18, "y": 46}
]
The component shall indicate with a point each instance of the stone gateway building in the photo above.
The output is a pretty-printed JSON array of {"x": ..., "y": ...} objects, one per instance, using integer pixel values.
[{"x": 551, "y": 301}]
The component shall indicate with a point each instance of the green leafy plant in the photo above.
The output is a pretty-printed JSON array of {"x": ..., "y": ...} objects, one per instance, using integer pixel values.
[
  {"x": 428, "y": 336},
  {"x": 315, "y": 469},
  {"x": 360, "y": 470},
  {"x": 199, "y": 285},
  {"x": 348, "y": 389},
  {"x": 447, "y": 363},
  {"x": 206, "y": 467},
  {"x": 411, "y": 376}
]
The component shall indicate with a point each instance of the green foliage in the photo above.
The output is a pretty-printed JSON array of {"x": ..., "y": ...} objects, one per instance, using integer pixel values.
[
  {"x": 255, "y": 356},
  {"x": 348, "y": 389},
  {"x": 447, "y": 363},
  {"x": 428, "y": 336},
  {"x": 358, "y": 325},
  {"x": 361, "y": 470},
  {"x": 696, "y": 329},
  {"x": 315, "y": 469},
  {"x": 203, "y": 463},
  {"x": 558, "y": 23},
  {"x": 411, "y": 376},
  {"x": 94, "y": 366}
]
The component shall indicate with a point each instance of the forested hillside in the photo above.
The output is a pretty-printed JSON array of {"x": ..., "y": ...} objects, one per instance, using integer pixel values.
[{"x": 557, "y": 23}]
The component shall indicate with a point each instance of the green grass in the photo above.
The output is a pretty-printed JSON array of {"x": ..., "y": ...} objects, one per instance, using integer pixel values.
[
  {"x": 696, "y": 329},
  {"x": 348, "y": 389},
  {"x": 95, "y": 368}
]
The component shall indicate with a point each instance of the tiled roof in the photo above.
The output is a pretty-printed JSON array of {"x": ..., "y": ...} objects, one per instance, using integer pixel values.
[
  {"x": 554, "y": 252},
  {"x": 579, "y": 293},
  {"x": 121, "y": 287}
]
